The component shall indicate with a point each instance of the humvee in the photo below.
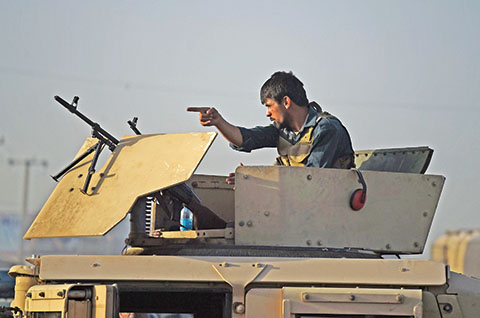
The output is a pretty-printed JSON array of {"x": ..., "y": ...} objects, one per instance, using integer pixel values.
[
  {"x": 460, "y": 250},
  {"x": 287, "y": 242}
]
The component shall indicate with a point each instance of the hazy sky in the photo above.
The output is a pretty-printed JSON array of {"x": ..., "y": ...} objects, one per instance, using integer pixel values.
[{"x": 398, "y": 73}]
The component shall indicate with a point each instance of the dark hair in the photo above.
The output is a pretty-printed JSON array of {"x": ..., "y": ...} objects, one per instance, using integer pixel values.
[{"x": 282, "y": 84}]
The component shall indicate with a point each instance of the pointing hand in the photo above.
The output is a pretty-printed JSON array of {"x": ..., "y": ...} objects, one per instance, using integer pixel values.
[{"x": 209, "y": 116}]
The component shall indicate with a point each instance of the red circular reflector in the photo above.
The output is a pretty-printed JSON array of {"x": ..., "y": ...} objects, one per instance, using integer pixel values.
[{"x": 355, "y": 200}]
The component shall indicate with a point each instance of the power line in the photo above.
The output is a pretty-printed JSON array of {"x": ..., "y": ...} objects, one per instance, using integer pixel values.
[
  {"x": 118, "y": 83},
  {"x": 26, "y": 163}
]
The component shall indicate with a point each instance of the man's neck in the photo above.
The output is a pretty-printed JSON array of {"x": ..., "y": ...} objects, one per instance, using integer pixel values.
[{"x": 298, "y": 115}]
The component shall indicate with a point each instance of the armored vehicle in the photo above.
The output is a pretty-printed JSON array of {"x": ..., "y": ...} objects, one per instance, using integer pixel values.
[
  {"x": 460, "y": 250},
  {"x": 286, "y": 242}
]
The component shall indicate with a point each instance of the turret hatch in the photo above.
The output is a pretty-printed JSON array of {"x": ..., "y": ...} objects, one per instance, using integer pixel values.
[{"x": 139, "y": 165}]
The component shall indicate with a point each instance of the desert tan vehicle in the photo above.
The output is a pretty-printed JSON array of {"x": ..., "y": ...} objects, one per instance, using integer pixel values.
[
  {"x": 287, "y": 242},
  {"x": 460, "y": 250}
]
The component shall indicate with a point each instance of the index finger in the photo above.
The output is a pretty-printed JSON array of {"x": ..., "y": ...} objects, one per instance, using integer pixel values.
[{"x": 197, "y": 109}]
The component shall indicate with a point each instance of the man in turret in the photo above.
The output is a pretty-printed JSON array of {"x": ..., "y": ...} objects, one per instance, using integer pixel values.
[{"x": 303, "y": 134}]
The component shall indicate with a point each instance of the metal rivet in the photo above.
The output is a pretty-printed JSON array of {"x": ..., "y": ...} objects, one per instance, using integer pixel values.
[
  {"x": 387, "y": 246},
  {"x": 266, "y": 213},
  {"x": 306, "y": 296},
  {"x": 245, "y": 176},
  {"x": 319, "y": 243},
  {"x": 239, "y": 308},
  {"x": 249, "y": 223},
  {"x": 71, "y": 190},
  {"x": 351, "y": 297},
  {"x": 434, "y": 184},
  {"x": 425, "y": 214},
  {"x": 309, "y": 242},
  {"x": 224, "y": 264},
  {"x": 448, "y": 308},
  {"x": 80, "y": 175},
  {"x": 241, "y": 223},
  {"x": 415, "y": 244},
  {"x": 29, "y": 295},
  {"x": 41, "y": 294},
  {"x": 60, "y": 294},
  {"x": 93, "y": 188},
  {"x": 309, "y": 177},
  {"x": 102, "y": 174},
  {"x": 399, "y": 298},
  {"x": 194, "y": 184}
]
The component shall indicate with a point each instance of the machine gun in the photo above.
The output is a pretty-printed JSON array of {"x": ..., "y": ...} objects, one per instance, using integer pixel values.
[
  {"x": 104, "y": 139},
  {"x": 169, "y": 199}
]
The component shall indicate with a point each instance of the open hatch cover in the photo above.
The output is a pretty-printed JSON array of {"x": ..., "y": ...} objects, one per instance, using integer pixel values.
[{"x": 139, "y": 165}]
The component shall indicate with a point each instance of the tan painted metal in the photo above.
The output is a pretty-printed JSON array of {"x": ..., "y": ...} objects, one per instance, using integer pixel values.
[
  {"x": 349, "y": 301},
  {"x": 243, "y": 275},
  {"x": 439, "y": 249},
  {"x": 450, "y": 300},
  {"x": 290, "y": 206},
  {"x": 471, "y": 264},
  {"x": 56, "y": 298},
  {"x": 24, "y": 279},
  {"x": 138, "y": 166},
  {"x": 280, "y": 270},
  {"x": 284, "y": 302},
  {"x": 21, "y": 270},
  {"x": 104, "y": 298},
  {"x": 460, "y": 250},
  {"x": 239, "y": 276},
  {"x": 454, "y": 256},
  {"x": 430, "y": 306},
  {"x": 81, "y": 309},
  {"x": 47, "y": 298},
  {"x": 216, "y": 194},
  {"x": 264, "y": 302},
  {"x": 462, "y": 297},
  {"x": 410, "y": 160}
]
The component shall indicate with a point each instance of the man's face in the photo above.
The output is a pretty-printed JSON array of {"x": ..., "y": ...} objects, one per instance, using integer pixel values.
[{"x": 276, "y": 112}]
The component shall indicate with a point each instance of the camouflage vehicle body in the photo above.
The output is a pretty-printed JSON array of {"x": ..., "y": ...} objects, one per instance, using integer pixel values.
[{"x": 285, "y": 243}]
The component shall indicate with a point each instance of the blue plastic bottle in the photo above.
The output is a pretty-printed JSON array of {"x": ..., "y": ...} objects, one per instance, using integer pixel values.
[{"x": 186, "y": 219}]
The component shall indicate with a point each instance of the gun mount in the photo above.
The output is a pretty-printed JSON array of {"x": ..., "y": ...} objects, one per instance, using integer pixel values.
[{"x": 110, "y": 182}]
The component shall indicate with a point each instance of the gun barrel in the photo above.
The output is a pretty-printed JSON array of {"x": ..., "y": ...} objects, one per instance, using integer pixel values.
[{"x": 73, "y": 109}]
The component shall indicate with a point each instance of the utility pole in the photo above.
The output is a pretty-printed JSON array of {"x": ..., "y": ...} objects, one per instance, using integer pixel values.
[{"x": 27, "y": 163}]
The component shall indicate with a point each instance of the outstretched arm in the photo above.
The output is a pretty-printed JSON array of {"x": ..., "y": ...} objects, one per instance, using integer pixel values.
[{"x": 209, "y": 116}]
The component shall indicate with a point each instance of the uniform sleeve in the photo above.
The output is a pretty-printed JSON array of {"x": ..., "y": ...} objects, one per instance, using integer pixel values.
[
  {"x": 327, "y": 140},
  {"x": 257, "y": 137}
]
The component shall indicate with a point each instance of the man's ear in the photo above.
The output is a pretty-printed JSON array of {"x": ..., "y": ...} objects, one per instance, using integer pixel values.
[{"x": 286, "y": 102}]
